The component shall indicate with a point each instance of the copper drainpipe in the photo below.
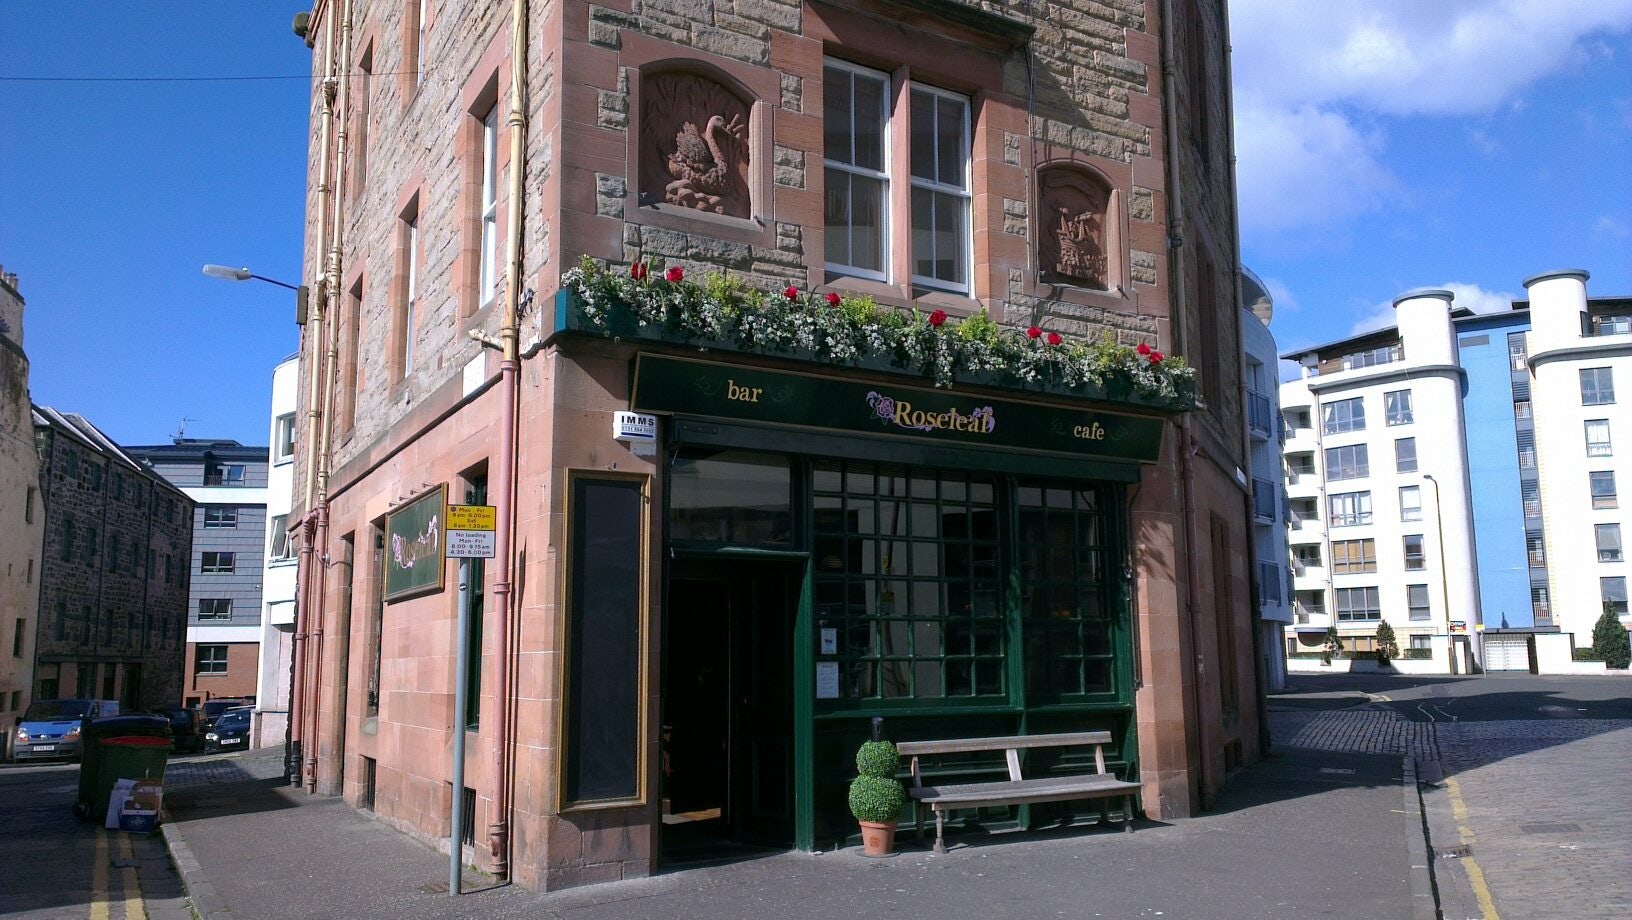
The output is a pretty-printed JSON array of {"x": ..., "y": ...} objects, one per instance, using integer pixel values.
[
  {"x": 314, "y": 415},
  {"x": 498, "y": 831},
  {"x": 330, "y": 378}
]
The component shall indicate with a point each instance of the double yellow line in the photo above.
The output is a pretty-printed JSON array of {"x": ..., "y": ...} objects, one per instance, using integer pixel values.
[
  {"x": 129, "y": 884},
  {"x": 1476, "y": 875}
]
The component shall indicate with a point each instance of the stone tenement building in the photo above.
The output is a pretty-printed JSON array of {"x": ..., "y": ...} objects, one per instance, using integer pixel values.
[
  {"x": 893, "y": 289},
  {"x": 227, "y": 483},
  {"x": 22, "y": 519},
  {"x": 113, "y": 575}
]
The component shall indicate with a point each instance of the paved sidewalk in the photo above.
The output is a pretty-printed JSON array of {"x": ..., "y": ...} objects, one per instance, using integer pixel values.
[{"x": 270, "y": 852}]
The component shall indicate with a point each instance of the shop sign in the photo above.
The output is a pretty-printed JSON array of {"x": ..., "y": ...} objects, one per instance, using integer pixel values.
[
  {"x": 471, "y": 531},
  {"x": 414, "y": 546},
  {"x": 634, "y": 426},
  {"x": 702, "y": 388},
  {"x": 1459, "y": 626}
]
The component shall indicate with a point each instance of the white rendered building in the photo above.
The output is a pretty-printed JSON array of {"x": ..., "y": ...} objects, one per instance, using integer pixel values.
[
  {"x": 1580, "y": 359},
  {"x": 1261, "y": 402},
  {"x": 278, "y": 579},
  {"x": 1377, "y": 474}
]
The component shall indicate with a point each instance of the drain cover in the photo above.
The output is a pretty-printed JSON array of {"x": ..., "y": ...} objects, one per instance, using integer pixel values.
[
  {"x": 1456, "y": 852},
  {"x": 434, "y": 888},
  {"x": 1550, "y": 828},
  {"x": 1342, "y": 771}
]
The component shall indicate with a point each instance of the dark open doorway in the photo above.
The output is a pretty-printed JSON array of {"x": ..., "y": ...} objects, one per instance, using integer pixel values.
[{"x": 727, "y": 769}]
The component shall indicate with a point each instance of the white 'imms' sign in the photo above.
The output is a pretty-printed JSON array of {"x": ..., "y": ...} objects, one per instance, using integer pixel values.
[{"x": 634, "y": 426}]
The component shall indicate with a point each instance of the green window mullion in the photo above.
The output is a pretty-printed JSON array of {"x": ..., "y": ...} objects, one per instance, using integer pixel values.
[{"x": 1006, "y": 498}]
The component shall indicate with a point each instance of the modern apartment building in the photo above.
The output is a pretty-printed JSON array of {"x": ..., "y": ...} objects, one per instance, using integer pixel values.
[
  {"x": 691, "y": 620},
  {"x": 278, "y": 579},
  {"x": 227, "y": 484},
  {"x": 1261, "y": 399},
  {"x": 1532, "y": 530},
  {"x": 22, "y": 514},
  {"x": 113, "y": 571}
]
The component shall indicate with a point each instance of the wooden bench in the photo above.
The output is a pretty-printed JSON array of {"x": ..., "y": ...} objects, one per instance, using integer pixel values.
[{"x": 1017, "y": 790}]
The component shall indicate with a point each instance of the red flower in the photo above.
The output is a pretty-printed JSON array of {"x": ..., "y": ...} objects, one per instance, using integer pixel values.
[
  {"x": 832, "y": 298},
  {"x": 675, "y": 274},
  {"x": 638, "y": 271},
  {"x": 1143, "y": 349},
  {"x": 1155, "y": 357},
  {"x": 937, "y": 318},
  {"x": 1034, "y": 333},
  {"x": 1054, "y": 338},
  {"x": 792, "y": 293}
]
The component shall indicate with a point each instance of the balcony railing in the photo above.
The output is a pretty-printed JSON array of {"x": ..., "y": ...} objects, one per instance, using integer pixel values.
[
  {"x": 1259, "y": 419},
  {"x": 1263, "y": 500}
]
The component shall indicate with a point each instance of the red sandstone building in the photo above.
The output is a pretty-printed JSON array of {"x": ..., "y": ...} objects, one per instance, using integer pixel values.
[{"x": 966, "y": 492}]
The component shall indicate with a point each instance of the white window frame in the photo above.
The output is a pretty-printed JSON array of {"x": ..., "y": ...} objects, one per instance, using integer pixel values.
[
  {"x": 884, "y": 221},
  {"x": 1358, "y": 513},
  {"x": 1421, "y": 557},
  {"x": 1602, "y": 395},
  {"x": 419, "y": 44},
  {"x": 1399, "y": 464},
  {"x": 411, "y": 294},
  {"x": 1354, "y": 421},
  {"x": 1370, "y": 599},
  {"x": 1350, "y": 461},
  {"x": 1599, "y": 447},
  {"x": 1410, "y": 512},
  {"x": 488, "y": 276},
  {"x": 283, "y": 435},
  {"x": 278, "y": 544},
  {"x": 1397, "y": 409},
  {"x": 214, "y": 614},
  {"x": 1608, "y": 500},
  {"x": 966, "y": 193},
  {"x": 212, "y": 664},
  {"x": 1426, "y": 608},
  {"x": 225, "y": 518},
  {"x": 205, "y": 568},
  {"x": 1609, "y": 550}
]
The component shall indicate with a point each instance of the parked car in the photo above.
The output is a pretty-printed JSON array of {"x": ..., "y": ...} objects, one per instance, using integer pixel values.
[
  {"x": 214, "y": 709},
  {"x": 230, "y": 732},
  {"x": 50, "y": 729},
  {"x": 186, "y": 727}
]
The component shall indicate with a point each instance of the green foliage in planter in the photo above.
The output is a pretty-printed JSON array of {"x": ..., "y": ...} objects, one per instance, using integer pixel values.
[
  {"x": 1610, "y": 641},
  {"x": 1585, "y": 654},
  {"x": 876, "y": 800},
  {"x": 1418, "y": 654},
  {"x": 878, "y": 758},
  {"x": 1387, "y": 646}
]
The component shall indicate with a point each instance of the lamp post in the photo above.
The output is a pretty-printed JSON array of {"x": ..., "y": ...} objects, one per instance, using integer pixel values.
[
  {"x": 228, "y": 273},
  {"x": 1444, "y": 576}
]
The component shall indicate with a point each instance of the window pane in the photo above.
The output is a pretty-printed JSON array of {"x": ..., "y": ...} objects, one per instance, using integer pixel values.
[
  {"x": 952, "y": 151},
  {"x": 836, "y": 115},
  {"x": 869, "y": 112},
  {"x": 923, "y": 135},
  {"x": 730, "y": 497}
]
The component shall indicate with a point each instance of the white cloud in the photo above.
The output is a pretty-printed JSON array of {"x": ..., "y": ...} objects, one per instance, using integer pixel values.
[
  {"x": 1312, "y": 79},
  {"x": 1282, "y": 295},
  {"x": 1468, "y": 296},
  {"x": 1607, "y": 226}
]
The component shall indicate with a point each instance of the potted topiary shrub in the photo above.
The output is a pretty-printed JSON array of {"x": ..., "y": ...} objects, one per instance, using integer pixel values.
[{"x": 876, "y": 796}]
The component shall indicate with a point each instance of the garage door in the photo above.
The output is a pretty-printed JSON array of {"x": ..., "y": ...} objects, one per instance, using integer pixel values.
[{"x": 1507, "y": 653}]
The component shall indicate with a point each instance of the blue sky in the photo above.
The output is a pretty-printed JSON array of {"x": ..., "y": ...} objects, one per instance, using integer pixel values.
[{"x": 1383, "y": 145}]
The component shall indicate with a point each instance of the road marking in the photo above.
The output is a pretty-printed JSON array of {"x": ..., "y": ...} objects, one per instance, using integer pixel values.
[
  {"x": 135, "y": 908},
  {"x": 1476, "y": 875},
  {"x": 99, "y": 878}
]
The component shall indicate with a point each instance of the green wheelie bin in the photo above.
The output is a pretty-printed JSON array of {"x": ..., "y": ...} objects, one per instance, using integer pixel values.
[{"x": 115, "y": 748}]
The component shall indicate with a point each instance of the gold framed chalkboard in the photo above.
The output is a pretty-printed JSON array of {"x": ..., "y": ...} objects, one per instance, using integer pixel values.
[{"x": 414, "y": 547}]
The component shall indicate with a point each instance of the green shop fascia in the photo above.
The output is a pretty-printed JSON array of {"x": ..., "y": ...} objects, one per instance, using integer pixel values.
[{"x": 843, "y": 541}]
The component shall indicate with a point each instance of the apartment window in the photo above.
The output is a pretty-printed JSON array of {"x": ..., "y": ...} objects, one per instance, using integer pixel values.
[
  {"x": 220, "y": 517},
  {"x": 1597, "y": 386},
  {"x": 1300, "y": 464},
  {"x": 1420, "y": 643},
  {"x": 410, "y": 295},
  {"x": 216, "y": 562},
  {"x": 1609, "y": 542},
  {"x": 420, "y": 27},
  {"x": 1541, "y": 601},
  {"x": 1348, "y": 509},
  {"x": 1371, "y": 357},
  {"x": 17, "y": 638},
  {"x": 283, "y": 438},
  {"x": 1357, "y": 603},
  {"x": 277, "y": 539},
  {"x": 940, "y": 189},
  {"x": 1414, "y": 559},
  {"x": 1410, "y": 503},
  {"x": 1602, "y": 484},
  {"x": 856, "y": 166},
  {"x": 1598, "y": 443},
  {"x": 1613, "y": 591},
  {"x": 215, "y": 608},
  {"x": 224, "y": 474},
  {"x": 28, "y": 505},
  {"x": 1354, "y": 557},
  {"x": 1517, "y": 353},
  {"x": 1527, "y": 457},
  {"x": 1405, "y": 455},
  {"x": 1312, "y": 601},
  {"x": 1416, "y": 601},
  {"x": 1344, "y": 415},
  {"x": 1307, "y": 554},
  {"x": 350, "y": 373},
  {"x": 1351, "y": 462},
  {"x": 1296, "y": 419},
  {"x": 1305, "y": 509},
  {"x": 1535, "y": 549},
  {"x": 1609, "y": 324},
  {"x": 1397, "y": 407},
  {"x": 1521, "y": 408},
  {"x": 1530, "y": 494},
  {"x": 210, "y": 659},
  {"x": 359, "y": 116},
  {"x": 489, "y": 277}
]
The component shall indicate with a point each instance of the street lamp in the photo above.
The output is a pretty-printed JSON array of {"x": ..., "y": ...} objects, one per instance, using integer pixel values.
[
  {"x": 228, "y": 273},
  {"x": 1444, "y": 576}
]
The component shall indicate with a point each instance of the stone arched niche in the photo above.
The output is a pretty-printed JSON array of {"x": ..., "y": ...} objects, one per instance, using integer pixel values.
[
  {"x": 1079, "y": 228},
  {"x": 695, "y": 151}
]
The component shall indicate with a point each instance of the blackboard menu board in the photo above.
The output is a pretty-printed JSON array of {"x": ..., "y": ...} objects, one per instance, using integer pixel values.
[
  {"x": 605, "y": 607},
  {"x": 413, "y": 546}
]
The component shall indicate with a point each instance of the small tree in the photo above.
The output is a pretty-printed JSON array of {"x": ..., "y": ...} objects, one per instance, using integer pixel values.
[
  {"x": 1610, "y": 641},
  {"x": 1334, "y": 644},
  {"x": 1387, "y": 646}
]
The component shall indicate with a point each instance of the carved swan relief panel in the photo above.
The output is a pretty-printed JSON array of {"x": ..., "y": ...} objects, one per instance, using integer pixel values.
[
  {"x": 1074, "y": 239},
  {"x": 695, "y": 150}
]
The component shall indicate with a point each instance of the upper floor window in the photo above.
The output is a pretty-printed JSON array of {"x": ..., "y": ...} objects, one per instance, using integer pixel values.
[
  {"x": 488, "y": 280},
  {"x": 1344, "y": 415},
  {"x": 1416, "y": 602},
  {"x": 855, "y": 141},
  {"x": 1386, "y": 354},
  {"x": 1296, "y": 419},
  {"x": 1348, "y": 509},
  {"x": 217, "y": 562},
  {"x": 1598, "y": 443},
  {"x": 940, "y": 189},
  {"x": 1397, "y": 407},
  {"x": 1602, "y": 486},
  {"x": 1613, "y": 592},
  {"x": 1354, "y": 557},
  {"x": 278, "y": 543},
  {"x": 1351, "y": 462},
  {"x": 215, "y": 608},
  {"x": 1609, "y": 324},
  {"x": 1405, "y": 455},
  {"x": 220, "y": 517},
  {"x": 1609, "y": 542},
  {"x": 224, "y": 474},
  {"x": 1357, "y": 603},
  {"x": 1597, "y": 386},
  {"x": 283, "y": 438},
  {"x": 1414, "y": 558},
  {"x": 1410, "y": 503},
  {"x": 1517, "y": 351}
]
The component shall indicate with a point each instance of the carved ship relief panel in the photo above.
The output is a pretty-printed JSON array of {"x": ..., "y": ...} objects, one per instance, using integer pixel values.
[
  {"x": 1073, "y": 245},
  {"x": 695, "y": 150}
]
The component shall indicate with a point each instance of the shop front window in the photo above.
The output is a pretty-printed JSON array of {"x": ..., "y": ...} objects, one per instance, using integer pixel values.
[
  {"x": 727, "y": 496},
  {"x": 1064, "y": 617}
]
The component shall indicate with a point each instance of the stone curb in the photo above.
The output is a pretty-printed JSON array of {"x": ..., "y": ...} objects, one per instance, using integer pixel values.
[
  {"x": 201, "y": 894},
  {"x": 1452, "y": 886},
  {"x": 1424, "y": 901}
]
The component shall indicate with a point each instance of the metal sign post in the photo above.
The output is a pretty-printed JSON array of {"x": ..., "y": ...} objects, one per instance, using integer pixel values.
[{"x": 470, "y": 535}]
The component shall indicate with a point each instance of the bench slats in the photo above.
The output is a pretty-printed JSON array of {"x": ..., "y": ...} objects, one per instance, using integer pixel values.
[
  {"x": 963, "y": 793},
  {"x": 1014, "y": 742}
]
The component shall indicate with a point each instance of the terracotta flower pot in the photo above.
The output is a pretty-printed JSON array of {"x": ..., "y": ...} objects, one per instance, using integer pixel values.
[{"x": 877, "y": 839}]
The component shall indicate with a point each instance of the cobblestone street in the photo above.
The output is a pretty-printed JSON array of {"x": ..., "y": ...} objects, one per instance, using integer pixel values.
[{"x": 1359, "y": 731}]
